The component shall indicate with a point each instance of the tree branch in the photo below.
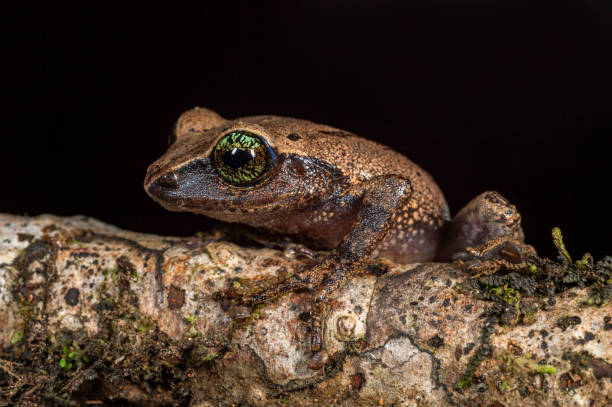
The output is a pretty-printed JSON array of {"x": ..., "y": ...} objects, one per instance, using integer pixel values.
[{"x": 93, "y": 314}]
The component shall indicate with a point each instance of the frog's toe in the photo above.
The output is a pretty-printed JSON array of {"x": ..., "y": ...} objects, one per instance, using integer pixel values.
[
  {"x": 503, "y": 248},
  {"x": 495, "y": 255},
  {"x": 511, "y": 251}
]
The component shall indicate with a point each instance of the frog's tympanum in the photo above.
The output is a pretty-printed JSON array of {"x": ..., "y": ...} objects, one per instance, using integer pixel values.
[{"x": 328, "y": 187}]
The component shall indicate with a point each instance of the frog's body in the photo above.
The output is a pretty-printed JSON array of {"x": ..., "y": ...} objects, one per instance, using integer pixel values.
[
  {"x": 307, "y": 196},
  {"x": 329, "y": 186}
]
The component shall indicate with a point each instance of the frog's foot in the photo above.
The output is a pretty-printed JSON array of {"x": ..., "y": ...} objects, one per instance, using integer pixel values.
[
  {"x": 499, "y": 248},
  {"x": 321, "y": 280},
  {"x": 497, "y": 253},
  {"x": 308, "y": 279},
  {"x": 491, "y": 226}
]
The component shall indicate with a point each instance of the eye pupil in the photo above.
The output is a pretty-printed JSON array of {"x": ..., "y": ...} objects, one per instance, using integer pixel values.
[{"x": 236, "y": 158}]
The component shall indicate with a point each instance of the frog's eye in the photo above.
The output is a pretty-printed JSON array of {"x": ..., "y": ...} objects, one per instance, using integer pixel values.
[{"x": 242, "y": 158}]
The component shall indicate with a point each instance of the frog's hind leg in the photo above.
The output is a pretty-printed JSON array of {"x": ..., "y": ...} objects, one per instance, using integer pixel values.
[{"x": 488, "y": 227}]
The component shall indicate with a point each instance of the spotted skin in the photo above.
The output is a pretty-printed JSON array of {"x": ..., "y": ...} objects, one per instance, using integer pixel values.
[{"x": 330, "y": 188}]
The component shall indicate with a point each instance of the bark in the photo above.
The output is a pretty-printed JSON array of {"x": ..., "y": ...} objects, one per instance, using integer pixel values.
[{"x": 92, "y": 314}]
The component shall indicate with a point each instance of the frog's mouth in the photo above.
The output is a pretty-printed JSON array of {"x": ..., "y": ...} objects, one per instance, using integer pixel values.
[
  {"x": 196, "y": 187},
  {"x": 189, "y": 187},
  {"x": 214, "y": 208}
]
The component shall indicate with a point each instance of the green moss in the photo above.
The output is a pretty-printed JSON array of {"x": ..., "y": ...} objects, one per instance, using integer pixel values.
[
  {"x": 21, "y": 258},
  {"x": 548, "y": 369},
  {"x": 65, "y": 364},
  {"x": 256, "y": 313},
  {"x": 112, "y": 273},
  {"x": 596, "y": 299},
  {"x": 78, "y": 243},
  {"x": 509, "y": 295},
  {"x": 508, "y": 364},
  {"x": 120, "y": 351},
  {"x": 17, "y": 337},
  {"x": 464, "y": 381},
  {"x": 586, "y": 262},
  {"x": 201, "y": 354},
  {"x": 71, "y": 352},
  {"x": 145, "y": 324},
  {"x": 558, "y": 242},
  {"x": 522, "y": 365}
]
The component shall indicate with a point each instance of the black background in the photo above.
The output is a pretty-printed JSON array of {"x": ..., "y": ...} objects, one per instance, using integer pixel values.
[{"x": 515, "y": 98}]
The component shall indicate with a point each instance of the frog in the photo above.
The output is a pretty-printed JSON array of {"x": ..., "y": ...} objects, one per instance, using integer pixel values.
[{"x": 336, "y": 191}]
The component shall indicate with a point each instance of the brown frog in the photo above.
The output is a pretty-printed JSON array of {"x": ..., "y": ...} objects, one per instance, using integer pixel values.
[{"x": 333, "y": 188}]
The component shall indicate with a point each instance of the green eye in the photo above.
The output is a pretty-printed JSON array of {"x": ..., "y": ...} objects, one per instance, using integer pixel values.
[{"x": 242, "y": 158}]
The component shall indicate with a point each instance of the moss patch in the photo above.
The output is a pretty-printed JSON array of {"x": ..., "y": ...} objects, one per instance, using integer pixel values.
[
  {"x": 129, "y": 352},
  {"x": 518, "y": 290}
]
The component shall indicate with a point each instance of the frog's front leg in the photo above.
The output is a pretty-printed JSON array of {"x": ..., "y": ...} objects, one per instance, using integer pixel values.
[{"x": 380, "y": 199}]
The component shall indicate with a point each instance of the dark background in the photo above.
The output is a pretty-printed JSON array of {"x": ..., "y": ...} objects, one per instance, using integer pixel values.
[{"x": 515, "y": 98}]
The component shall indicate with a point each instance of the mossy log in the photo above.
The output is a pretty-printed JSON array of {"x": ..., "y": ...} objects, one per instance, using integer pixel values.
[{"x": 91, "y": 314}]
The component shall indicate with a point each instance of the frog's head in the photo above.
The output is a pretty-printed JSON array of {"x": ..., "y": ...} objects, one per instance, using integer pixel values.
[{"x": 232, "y": 169}]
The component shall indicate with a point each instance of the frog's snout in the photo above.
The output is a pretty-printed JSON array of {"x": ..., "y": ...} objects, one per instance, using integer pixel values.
[
  {"x": 162, "y": 186},
  {"x": 184, "y": 187}
]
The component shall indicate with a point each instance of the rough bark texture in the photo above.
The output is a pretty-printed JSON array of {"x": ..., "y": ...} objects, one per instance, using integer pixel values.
[{"x": 93, "y": 314}]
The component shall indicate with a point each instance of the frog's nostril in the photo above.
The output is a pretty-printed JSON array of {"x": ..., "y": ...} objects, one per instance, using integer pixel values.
[{"x": 169, "y": 181}]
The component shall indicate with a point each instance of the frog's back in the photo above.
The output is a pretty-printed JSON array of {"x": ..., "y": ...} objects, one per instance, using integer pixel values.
[{"x": 420, "y": 224}]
